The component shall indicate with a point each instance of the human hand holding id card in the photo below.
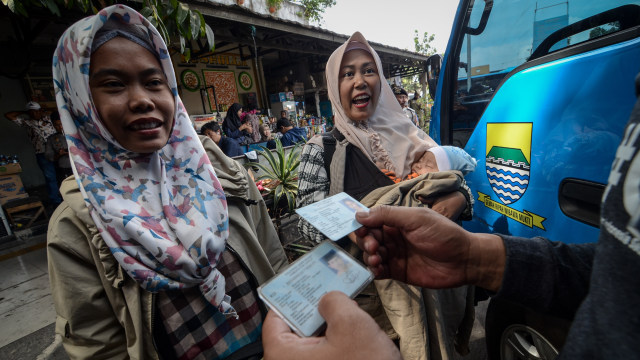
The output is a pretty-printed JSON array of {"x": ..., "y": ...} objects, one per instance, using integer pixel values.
[
  {"x": 295, "y": 292},
  {"x": 334, "y": 216}
]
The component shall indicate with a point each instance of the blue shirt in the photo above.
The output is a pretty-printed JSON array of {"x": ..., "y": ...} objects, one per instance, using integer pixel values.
[{"x": 294, "y": 136}]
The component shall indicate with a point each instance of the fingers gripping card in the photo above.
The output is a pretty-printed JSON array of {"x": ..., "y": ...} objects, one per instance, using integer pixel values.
[{"x": 294, "y": 293}]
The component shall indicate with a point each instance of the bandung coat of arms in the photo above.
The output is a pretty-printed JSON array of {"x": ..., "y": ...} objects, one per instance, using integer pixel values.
[{"x": 508, "y": 159}]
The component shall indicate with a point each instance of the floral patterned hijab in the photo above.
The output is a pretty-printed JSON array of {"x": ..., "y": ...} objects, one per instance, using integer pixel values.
[
  {"x": 388, "y": 137},
  {"x": 163, "y": 215}
]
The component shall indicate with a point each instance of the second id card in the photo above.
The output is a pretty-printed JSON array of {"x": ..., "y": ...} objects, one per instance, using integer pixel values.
[
  {"x": 295, "y": 292},
  {"x": 334, "y": 216}
]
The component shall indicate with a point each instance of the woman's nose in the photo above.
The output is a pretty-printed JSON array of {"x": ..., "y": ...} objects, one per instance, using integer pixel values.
[
  {"x": 139, "y": 100},
  {"x": 359, "y": 81}
]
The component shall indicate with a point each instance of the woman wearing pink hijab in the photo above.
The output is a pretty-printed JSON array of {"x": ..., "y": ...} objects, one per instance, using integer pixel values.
[{"x": 372, "y": 134}]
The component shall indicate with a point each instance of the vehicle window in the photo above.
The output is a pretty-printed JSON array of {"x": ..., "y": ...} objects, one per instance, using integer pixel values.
[{"x": 514, "y": 29}]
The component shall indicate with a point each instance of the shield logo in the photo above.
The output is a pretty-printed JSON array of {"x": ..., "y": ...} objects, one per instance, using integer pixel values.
[{"x": 508, "y": 159}]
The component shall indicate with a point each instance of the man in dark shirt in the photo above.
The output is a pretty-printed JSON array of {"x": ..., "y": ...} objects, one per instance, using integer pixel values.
[
  {"x": 228, "y": 146},
  {"x": 290, "y": 135}
]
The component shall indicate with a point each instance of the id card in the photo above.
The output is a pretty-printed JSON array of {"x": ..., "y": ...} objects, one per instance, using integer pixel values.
[
  {"x": 334, "y": 216},
  {"x": 294, "y": 293}
]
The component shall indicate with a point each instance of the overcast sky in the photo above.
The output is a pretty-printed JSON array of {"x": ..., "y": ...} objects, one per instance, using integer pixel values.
[{"x": 394, "y": 26}]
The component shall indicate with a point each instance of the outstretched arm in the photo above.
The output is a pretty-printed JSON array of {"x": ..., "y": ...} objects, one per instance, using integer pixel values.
[
  {"x": 13, "y": 115},
  {"x": 421, "y": 247}
]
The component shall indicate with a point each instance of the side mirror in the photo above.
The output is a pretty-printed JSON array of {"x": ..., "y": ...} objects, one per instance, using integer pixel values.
[{"x": 434, "y": 62}]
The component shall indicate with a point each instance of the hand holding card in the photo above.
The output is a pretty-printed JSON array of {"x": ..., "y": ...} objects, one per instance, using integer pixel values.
[{"x": 294, "y": 293}]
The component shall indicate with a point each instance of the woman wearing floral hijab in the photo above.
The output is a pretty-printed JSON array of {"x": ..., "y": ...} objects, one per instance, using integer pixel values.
[
  {"x": 372, "y": 134},
  {"x": 136, "y": 252}
]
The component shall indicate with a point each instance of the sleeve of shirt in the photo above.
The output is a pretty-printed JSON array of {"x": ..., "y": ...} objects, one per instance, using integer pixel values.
[
  {"x": 550, "y": 277},
  {"x": 467, "y": 213},
  {"x": 313, "y": 186},
  {"x": 20, "y": 119}
]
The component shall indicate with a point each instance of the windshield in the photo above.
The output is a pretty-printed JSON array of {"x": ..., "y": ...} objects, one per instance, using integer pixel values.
[{"x": 513, "y": 31}]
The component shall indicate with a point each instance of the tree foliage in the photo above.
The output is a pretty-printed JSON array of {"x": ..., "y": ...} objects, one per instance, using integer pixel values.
[
  {"x": 313, "y": 9},
  {"x": 171, "y": 18},
  {"x": 423, "y": 46}
]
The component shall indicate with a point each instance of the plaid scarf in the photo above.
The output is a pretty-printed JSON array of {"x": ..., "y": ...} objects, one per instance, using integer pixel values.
[{"x": 197, "y": 330}]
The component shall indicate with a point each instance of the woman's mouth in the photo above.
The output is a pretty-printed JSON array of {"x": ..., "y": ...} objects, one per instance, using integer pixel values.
[
  {"x": 361, "y": 101},
  {"x": 145, "y": 125}
]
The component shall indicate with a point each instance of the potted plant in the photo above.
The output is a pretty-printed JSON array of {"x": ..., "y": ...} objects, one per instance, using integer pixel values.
[
  {"x": 279, "y": 178},
  {"x": 274, "y": 5}
]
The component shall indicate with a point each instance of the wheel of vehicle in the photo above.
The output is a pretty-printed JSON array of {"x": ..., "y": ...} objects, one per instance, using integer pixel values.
[
  {"x": 523, "y": 342},
  {"x": 513, "y": 332}
]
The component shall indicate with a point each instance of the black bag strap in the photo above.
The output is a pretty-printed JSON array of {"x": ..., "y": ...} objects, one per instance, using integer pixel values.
[{"x": 329, "y": 141}]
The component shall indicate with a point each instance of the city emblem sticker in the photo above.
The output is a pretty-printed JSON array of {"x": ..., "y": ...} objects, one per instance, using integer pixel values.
[
  {"x": 508, "y": 165},
  {"x": 509, "y": 159}
]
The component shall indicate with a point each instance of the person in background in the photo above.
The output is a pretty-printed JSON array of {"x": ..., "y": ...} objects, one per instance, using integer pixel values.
[
  {"x": 39, "y": 128},
  {"x": 57, "y": 151},
  {"x": 228, "y": 146},
  {"x": 266, "y": 136},
  {"x": 161, "y": 240},
  {"x": 233, "y": 126},
  {"x": 250, "y": 116},
  {"x": 403, "y": 99},
  {"x": 284, "y": 114},
  {"x": 291, "y": 135}
]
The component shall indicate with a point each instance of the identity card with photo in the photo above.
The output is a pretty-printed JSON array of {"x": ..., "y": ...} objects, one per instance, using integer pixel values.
[
  {"x": 334, "y": 216},
  {"x": 294, "y": 293}
]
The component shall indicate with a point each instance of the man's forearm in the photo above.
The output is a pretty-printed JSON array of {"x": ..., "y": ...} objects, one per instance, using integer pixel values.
[{"x": 487, "y": 260}]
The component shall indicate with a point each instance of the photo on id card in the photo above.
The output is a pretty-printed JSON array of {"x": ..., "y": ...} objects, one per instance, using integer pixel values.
[{"x": 294, "y": 293}]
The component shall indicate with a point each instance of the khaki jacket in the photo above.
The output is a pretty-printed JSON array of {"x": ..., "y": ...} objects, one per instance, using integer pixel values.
[
  {"x": 104, "y": 314},
  {"x": 430, "y": 323}
]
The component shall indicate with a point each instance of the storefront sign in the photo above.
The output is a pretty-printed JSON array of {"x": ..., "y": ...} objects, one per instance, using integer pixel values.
[{"x": 216, "y": 60}]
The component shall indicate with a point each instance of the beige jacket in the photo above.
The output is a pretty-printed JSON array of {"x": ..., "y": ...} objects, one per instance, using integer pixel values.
[
  {"x": 104, "y": 314},
  {"x": 430, "y": 323}
]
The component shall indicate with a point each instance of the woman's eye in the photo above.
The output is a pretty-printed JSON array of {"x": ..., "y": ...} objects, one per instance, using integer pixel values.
[
  {"x": 369, "y": 71},
  {"x": 113, "y": 84},
  {"x": 155, "y": 82},
  {"x": 347, "y": 74}
]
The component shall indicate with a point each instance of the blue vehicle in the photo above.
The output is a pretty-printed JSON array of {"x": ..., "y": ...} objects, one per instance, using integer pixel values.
[{"x": 539, "y": 93}]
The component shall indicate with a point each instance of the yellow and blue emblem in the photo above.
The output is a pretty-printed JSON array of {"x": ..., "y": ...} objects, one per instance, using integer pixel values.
[
  {"x": 508, "y": 165},
  {"x": 508, "y": 159}
]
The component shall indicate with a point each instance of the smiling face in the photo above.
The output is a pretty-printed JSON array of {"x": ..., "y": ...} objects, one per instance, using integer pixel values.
[
  {"x": 359, "y": 85},
  {"x": 131, "y": 95}
]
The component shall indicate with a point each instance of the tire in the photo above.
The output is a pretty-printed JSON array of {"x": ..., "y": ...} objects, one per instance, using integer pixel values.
[{"x": 514, "y": 332}]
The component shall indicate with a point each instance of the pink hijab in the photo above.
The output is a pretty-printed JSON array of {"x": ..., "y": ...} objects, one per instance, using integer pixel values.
[{"x": 388, "y": 138}]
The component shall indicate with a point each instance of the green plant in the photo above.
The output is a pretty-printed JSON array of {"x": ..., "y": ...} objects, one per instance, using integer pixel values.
[
  {"x": 274, "y": 3},
  {"x": 281, "y": 171},
  {"x": 313, "y": 9},
  {"x": 169, "y": 17}
]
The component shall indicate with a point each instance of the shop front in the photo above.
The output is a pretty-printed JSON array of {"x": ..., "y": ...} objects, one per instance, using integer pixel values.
[{"x": 263, "y": 61}]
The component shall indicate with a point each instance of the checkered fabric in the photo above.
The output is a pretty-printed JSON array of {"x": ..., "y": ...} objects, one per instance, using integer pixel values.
[{"x": 197, "y": 330}]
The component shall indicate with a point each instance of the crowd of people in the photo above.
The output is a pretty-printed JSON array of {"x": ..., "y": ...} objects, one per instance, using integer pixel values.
[{"x": 161, "y": 238}]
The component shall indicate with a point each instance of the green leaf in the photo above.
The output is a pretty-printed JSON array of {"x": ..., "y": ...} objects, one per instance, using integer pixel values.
[
  {"x": 181, "y": 15},
  {"x": 187, "y": 54},
  {"x": 51, "y": 5},
  {"x": 195, "y": 24},
  {"x": 210, "y": 37},
  {"x": 203, "y": 24},
  {"x": 147, "y": 12}
]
